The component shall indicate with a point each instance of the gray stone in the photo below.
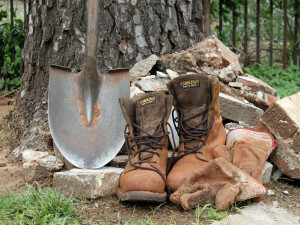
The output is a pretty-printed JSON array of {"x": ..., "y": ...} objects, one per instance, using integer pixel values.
[
  {"x": 159, "y": 85},
  {"x": 266, "y": 173},
  {"x": 277, "y": 174},
  {"x": 231, "y": 126},
  {"x": 236, "y": 110},
  {"x": 36, "y": 172},
  {"x": 142, "y": 68},
  {"x": 119, "y": 161},
  {"x": 88, "y": 183}
]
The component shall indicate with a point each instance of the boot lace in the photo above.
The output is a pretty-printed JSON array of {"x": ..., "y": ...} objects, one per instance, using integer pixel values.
[
  {"x": 191, "y": 133},
  {"x": 146, "y": 143}
]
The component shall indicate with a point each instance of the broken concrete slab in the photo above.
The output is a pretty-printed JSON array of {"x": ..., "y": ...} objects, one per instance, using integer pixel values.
[
  {"x": 236, "y": 110},
  {"x": 261, "y": 214},
  {"x": 283, "y": 121},
  {"x": 88, "y": 183},
  {"x": 142, "y": 68}
]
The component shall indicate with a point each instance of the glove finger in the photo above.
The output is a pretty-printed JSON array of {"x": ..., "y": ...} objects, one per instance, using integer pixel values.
[
  {"x": 201, "y": 197},
  {"x": 226, "y": 196},
  {"x": 184, "y": 189}
]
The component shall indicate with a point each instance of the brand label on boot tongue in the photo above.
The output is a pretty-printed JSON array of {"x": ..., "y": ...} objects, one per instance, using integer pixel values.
[
  {"x": 147, "y": 101},
  {"x": 189, "y": 84}
]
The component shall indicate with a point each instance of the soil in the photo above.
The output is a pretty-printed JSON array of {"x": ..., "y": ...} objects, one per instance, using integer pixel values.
[{"x": 109, "y": 208}]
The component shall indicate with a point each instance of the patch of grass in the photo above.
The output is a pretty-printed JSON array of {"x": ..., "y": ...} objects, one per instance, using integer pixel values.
[
  {"x": 285, "y": 81},
  {"x": 38, "y": 206}
]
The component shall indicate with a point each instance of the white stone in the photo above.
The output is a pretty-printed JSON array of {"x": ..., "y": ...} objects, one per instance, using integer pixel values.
[
  {"x": 285, "y": 192},
  {"x": 33, "y": 158},
  {"x": 172, "y": 74},
  {"x": 148, "y": 77},
  {"x": 271, "y": 192},
  {"x": 161, "y": 74},
  {"x": 88, "y": 183},
  {"x": 135, "y": 91},
  {"x": 236, "y": 84}
]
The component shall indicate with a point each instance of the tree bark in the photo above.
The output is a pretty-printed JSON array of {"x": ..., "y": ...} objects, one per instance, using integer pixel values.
[
  {"x": 271, "y": 35},
  {"x": 296, "y": 28},
  {"x": 234, "y": 25},
  {"x": 285, "y": 21},
  {"x": 220, "y": 19},
  {"x": 130, "y": 30},
  {"x": 258, "y": 31},
  {"x": 246, "y": 32},
  {"x": 206, "y": 15}
]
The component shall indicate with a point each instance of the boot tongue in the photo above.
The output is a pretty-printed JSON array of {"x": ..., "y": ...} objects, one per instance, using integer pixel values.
[
  {"x": 193, "y": 96},
  {"x": 150, "y": 110}
]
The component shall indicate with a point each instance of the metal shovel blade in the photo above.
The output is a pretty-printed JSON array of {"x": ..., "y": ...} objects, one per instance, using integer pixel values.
[{"x": 87, "y": 145}]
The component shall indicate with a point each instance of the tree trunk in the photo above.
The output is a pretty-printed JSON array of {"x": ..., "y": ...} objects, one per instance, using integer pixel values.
[
  {"x": 206, "y": 15},
  {"x": 257, "y": 31},
  {"x": 285, "y": 21},
  {"x": 220, "y": 19},
  {"x": 12, "y": 51},
  {"x": 130, "y": 30},
  {"x": 296, "y": 28},
  {"x": 246, "y": 32},
  {"x": 234, "y": 24},
  {"x": 271, "y": 35}
]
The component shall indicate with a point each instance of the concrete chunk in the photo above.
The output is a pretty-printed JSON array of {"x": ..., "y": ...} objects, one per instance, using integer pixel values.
[
  {"x": 236, "y": 110},
  {"x": 266, "y": 173},
  {"x": 88, "y": 183},
  {"x": 283, "y": 121}
]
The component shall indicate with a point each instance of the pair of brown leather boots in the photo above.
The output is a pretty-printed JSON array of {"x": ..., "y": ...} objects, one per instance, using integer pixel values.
[{"x": 200, "y": 129}]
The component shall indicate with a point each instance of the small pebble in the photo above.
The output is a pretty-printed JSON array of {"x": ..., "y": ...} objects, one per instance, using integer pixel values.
[
  {"x": 2, "y": 164},
  {"x": 271, "y": 192},
  {"x": 285, "y": 192}
]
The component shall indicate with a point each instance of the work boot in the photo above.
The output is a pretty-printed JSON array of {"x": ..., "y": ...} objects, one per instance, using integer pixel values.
[
  {"x": 144, "y": 177},
  {"x": 200, "y": 127}
]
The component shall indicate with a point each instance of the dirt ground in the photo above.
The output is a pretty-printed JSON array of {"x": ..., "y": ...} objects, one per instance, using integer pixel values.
[{"x": 110, "y": 209}]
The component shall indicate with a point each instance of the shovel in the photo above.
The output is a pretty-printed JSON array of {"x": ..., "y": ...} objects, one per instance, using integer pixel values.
[{"x": 85, "y": 119}]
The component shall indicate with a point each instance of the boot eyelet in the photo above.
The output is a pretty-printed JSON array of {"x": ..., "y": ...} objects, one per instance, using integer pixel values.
[{"x": 201, "y": 153}]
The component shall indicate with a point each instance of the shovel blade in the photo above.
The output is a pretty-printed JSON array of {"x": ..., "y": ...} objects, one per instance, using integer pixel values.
[{"x": 86, "y": 145}]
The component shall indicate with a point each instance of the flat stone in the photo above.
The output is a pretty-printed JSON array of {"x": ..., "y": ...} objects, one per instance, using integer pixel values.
[
  {"x": 283, "y": 120},
  {"x": 159, "y": 85},
  {"x": 256, "y": 84},
  {"x": 266, "y": 173},
  {"x": 35, "y": 173},
  {"x": 231, "y": 126},
  {"x": 236, "y": 84},
  {"x": 261, "y": 214},
  {"x": 277, "y": 174},
  {"x": 2, "y": 164},
  {"x": 88, "y": 183},
  {"x": 236, "y": 110},
  {"x": 142, "y": 68}
]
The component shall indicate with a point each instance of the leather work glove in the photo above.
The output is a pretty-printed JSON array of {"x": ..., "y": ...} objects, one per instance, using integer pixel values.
[{"x": 234, "y": 174}]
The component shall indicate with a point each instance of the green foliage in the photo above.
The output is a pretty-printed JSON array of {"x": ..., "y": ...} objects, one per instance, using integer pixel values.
[
  {"x": 41, "y": 206},
  {"x": 285, "y": 81},
  {"x": 10, "y": 66}
]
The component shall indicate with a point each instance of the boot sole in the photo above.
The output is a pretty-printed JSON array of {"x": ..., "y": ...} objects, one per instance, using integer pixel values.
[{"x": 141, "y": 196}]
